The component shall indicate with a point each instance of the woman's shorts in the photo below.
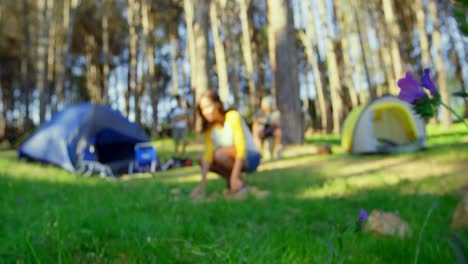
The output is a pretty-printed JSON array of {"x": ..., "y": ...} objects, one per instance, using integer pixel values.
[{"x": 252, "y": 161}]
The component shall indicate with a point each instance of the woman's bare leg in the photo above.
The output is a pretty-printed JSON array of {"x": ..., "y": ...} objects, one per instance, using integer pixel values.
[{"x": 223, "y": 162}]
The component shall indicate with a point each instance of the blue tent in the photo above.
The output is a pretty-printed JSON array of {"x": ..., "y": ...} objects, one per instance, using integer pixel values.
[{"x": 85, "y": 132}]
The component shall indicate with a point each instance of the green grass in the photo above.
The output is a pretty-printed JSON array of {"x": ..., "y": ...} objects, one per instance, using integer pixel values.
[{"x": 48, "y": 215}]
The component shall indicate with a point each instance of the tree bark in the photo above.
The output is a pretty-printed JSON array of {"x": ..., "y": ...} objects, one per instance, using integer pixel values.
[
  {"x": 458, "y": 70},
  {"x": 41, "y": 60},
  {"x": 221, "y": 68},
  {"x": 311, "y": 46},
  {"x": 345, "y": 27},
  {"x": 91, "y": 74},
  {"x": 333, "y": 75},
  {"x": 201, "y": 43},
  {"x": 132, "y": 59},
  {"x": 26, "y": 65},
  {"x": 148, "y": 27},
  {"x": 236, "y": 85},
  {"x": 362, "y": 40},
  {"x": 137, "y": 64},
  {"x": 422, "y": 33},
  {"x": 6, "y": 79},
  {"x": 439, "y": 65},
  {"x": 271, "y": 46},
  {"x": 51, "y": 43},
  {"x": 189, "y": 19},
  {"x": 69, "y": 15},
  {"x": 201, "y": 26},
  {"x": 384, "y": 52},
  {"x": 247, "y": 53},
  {"x": 174, "y": 39},
  {"x": 105, "y": 50},
  {"x": 286, "y": 79},
  {"x": 394, "y": 32}
]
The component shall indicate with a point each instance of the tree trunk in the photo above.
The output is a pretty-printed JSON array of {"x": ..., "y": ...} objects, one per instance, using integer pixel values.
[
  {"x": 148, "y": 27},
  {"x": 319, "y": 76},
  {"x": 261, "y": 81},
  {"x": 182, "y": 74},
  {"x": 458, "y": 70},
  {"x": 286, "y": 79},
  {"x": 311, "y": 47},
  {"x": 140, "y": 88},
  {"x": 271, "y": 47},
  {"x": 6, "y": 79},
  {"x": 132, "y": 56},
  {"x": 247, "y": 52},
  {"x": 69, "y": 14},
  {"x": 375, "y": 58},
  {"x": 394, "y": 32},
  {"x": 41, "y": 60},
  {"x": 406, "y": 21},
  {"x": 189, "y": 19},
  {"x": 26, "y": 65},
  {"x": 236, "y": 85},
  {"x": 91, "y": 74},
  {"x": 154, "y": 95},
  {"x": 384, "y": 52},
  {"x": 422, "y": 33},
  {"x": 137, "y": 64},
  {"x": 344, "y": 24},
  {"x": 174, "y": 41},
  {"x": 201, "y": 43},
  {"x": 201, "y": 26},
  {"x": 439, "y": 65},
  {"x": 259, "y": 49},
  {"x": 105, "y": 50},
  {"x": 221, "y": 68},
  {"x": 362, "y": 42},
  {"x": 333, "y": 75},
  {"x": 51, "y": 45},
  {"x": 51, "y": 51}
]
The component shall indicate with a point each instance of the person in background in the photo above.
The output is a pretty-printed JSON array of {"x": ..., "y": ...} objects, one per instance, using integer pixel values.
[
  {"x": 179, "y": 125},
  {"x": 265, "y": 124},
  {"x": 229, "y": 146}
]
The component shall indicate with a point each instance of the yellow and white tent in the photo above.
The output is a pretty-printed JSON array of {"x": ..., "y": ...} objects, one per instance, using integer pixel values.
[{"x": 385, "y": 125}]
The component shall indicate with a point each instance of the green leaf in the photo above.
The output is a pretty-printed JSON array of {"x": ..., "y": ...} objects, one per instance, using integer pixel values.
[{"x": 460, "y": 94}]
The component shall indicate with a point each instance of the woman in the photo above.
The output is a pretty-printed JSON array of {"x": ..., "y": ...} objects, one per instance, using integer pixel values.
[{"x": 229, "y": 145}]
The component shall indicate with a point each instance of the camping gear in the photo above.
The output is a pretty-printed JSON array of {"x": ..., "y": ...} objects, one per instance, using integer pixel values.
[
  {"x": 176, "y": 163},
  {"x": 85, "y": 134},
  {"x": 89, "y": 165},
  {"x": 146, "y": 158},
  {"x": 385, "y": 125}
]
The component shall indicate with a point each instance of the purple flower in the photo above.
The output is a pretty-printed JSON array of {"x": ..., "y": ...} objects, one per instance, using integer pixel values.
[
  {"x": 409, "y": 89},
  {"x": 362, "y": 215},
  {"x": 428, "y": 83}
]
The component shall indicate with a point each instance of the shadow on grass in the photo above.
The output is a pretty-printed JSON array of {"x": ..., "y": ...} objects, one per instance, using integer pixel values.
[
  {"x": 445, "y": 134},
  {"x": 329, "y": 140}
]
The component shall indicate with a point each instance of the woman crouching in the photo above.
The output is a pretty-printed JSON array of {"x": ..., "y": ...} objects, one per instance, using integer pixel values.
[{"x": 229, "y": 145}]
